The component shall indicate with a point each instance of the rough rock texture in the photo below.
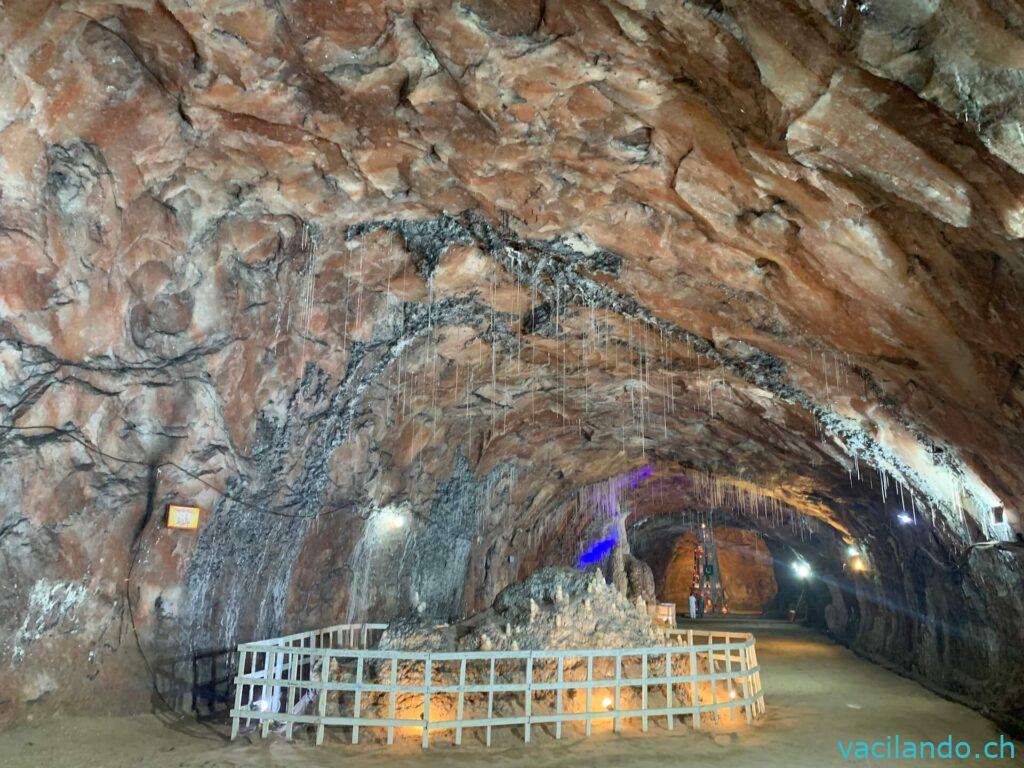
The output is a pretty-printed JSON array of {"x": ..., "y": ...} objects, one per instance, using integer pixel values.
[
  {"x": 748, "y": 575},
  {"x": 311, "y": 265},
  {"x": 553, "y": 608}
]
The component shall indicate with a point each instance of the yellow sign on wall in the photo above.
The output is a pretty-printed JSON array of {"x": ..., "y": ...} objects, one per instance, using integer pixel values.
[{"x": 186, "y": 518}]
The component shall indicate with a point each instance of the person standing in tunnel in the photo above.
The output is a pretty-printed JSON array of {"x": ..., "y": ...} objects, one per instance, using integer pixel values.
[{"x": 693, "y": 605}]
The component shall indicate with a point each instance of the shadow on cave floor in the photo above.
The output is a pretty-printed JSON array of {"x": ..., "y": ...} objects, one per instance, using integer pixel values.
[{"x": 818, "y": 693}]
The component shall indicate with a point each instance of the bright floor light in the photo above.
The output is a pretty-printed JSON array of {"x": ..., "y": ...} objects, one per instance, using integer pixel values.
[{"x": 802, "y": 569}]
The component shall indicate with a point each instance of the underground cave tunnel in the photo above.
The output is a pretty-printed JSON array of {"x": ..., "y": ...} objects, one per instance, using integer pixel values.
[{"x": 386, "y": 375}]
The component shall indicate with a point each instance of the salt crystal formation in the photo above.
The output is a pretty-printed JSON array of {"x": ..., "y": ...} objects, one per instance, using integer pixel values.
[{"x": 554, "y": 608}]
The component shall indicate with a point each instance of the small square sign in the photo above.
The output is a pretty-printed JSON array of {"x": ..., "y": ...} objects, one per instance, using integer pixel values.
[{"x": 185, "y": 518}]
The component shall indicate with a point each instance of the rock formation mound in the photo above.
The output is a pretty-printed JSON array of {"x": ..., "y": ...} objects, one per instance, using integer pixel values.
[{"x": 555, "y": 608}]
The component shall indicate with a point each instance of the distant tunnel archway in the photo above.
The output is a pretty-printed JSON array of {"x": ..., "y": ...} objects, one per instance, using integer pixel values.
[{"x": 746, "y": 570}]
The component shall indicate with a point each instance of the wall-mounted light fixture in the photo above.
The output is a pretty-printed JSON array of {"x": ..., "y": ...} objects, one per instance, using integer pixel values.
[
  {"x": 182, "y": 517},
  {"x": 393, "y": 518}
]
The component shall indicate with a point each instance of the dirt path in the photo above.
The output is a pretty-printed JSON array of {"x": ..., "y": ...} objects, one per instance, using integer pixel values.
[{"x": 817, "y": 694}]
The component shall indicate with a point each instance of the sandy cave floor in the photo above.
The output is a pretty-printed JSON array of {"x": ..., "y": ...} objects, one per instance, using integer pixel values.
[{"x": 817, "y": 693}]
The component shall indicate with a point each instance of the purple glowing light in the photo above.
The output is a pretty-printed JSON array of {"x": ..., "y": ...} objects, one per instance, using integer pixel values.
[
  {"x": 597, "y": 552},
  {"x": 641, "y": 474}
]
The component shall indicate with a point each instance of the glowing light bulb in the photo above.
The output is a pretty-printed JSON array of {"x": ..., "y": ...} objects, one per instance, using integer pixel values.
[
  {"x": 802, "y": 569},
  {"x": 904, "y": 518},
  {"x": 732, "y": 694},
  {"x": 607, "y": 702},
  {"x": 858, "y": 564},
  {"x": 852, "y": 551}
]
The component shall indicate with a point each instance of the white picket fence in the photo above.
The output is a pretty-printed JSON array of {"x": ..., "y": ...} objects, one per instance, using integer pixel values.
[
  {"x": 335, "y": 677},
  {"x": 662, "y": 614}
]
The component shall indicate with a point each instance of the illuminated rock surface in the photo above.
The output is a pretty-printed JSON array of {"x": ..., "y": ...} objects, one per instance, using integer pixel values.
[{"x": 304, "y": 264}]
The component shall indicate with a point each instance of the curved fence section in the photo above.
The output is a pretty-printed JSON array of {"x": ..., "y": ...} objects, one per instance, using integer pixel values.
[{"x": 336, "y": 677}]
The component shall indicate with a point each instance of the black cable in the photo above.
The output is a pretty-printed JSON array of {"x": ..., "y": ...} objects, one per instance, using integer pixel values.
[
  {"x": 136, "y": 548},
  {"x": 150, "y": 466}
]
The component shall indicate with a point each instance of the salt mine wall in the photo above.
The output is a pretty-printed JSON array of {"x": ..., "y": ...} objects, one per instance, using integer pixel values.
[{"x": 479, "y": 267}]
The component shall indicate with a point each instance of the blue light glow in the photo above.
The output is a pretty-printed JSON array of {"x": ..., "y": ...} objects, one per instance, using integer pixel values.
[
  {"x": 597, "y": 552},
  {"x": 641, "y": 474}
]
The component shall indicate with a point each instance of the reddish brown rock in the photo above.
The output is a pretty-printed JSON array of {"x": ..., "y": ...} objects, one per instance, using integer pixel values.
[{"x": 303, "y": 263}]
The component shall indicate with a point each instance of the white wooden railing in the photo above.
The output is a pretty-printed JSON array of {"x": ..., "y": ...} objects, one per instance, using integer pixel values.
[
  {"x": 335, "y": 677},
  {"x": 663, "y": 614}
]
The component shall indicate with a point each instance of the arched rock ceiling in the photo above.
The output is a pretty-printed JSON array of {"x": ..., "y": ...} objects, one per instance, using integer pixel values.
[{"x": 758, "y": 238}]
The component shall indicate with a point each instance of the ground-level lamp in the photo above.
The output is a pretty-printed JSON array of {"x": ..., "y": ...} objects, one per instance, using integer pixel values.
[{"x": 802, "y": 569}]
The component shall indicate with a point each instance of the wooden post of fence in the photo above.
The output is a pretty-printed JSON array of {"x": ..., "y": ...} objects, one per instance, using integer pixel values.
[
  {"x": 745, "y": 682},
  {"x": 558, "y": 697},
  {"x": 759, "y": 705},
  {"x": 236, "y": 720},
  {"x": 459, "y": 706},
  {"x": 668, "y": 689},
  {"x": 590, "y": 680},
  {"x": 426, "y": 702},
  {"x": 267, "y": 715},
  {"x": 714, "y": 683},
  {"x": 293, "y": 674},
  {"x": 617, "y": 721},
  {"x": 695, "y": 691},
  {"x": 643, "y": 691},
  {"x": 357, "y": 706},
  {"x": 751, "y": 676},
  {"x": 528, "y": 702},
  {"x": 391, "y": 699},
  {"x": 321, "y": 704},
  {"x": 729, "y": 684},
  {"x": 490, "y": 701}
]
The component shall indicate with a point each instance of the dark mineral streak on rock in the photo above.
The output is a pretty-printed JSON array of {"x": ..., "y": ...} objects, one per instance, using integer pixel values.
[{"x": 308, "y": 267}]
